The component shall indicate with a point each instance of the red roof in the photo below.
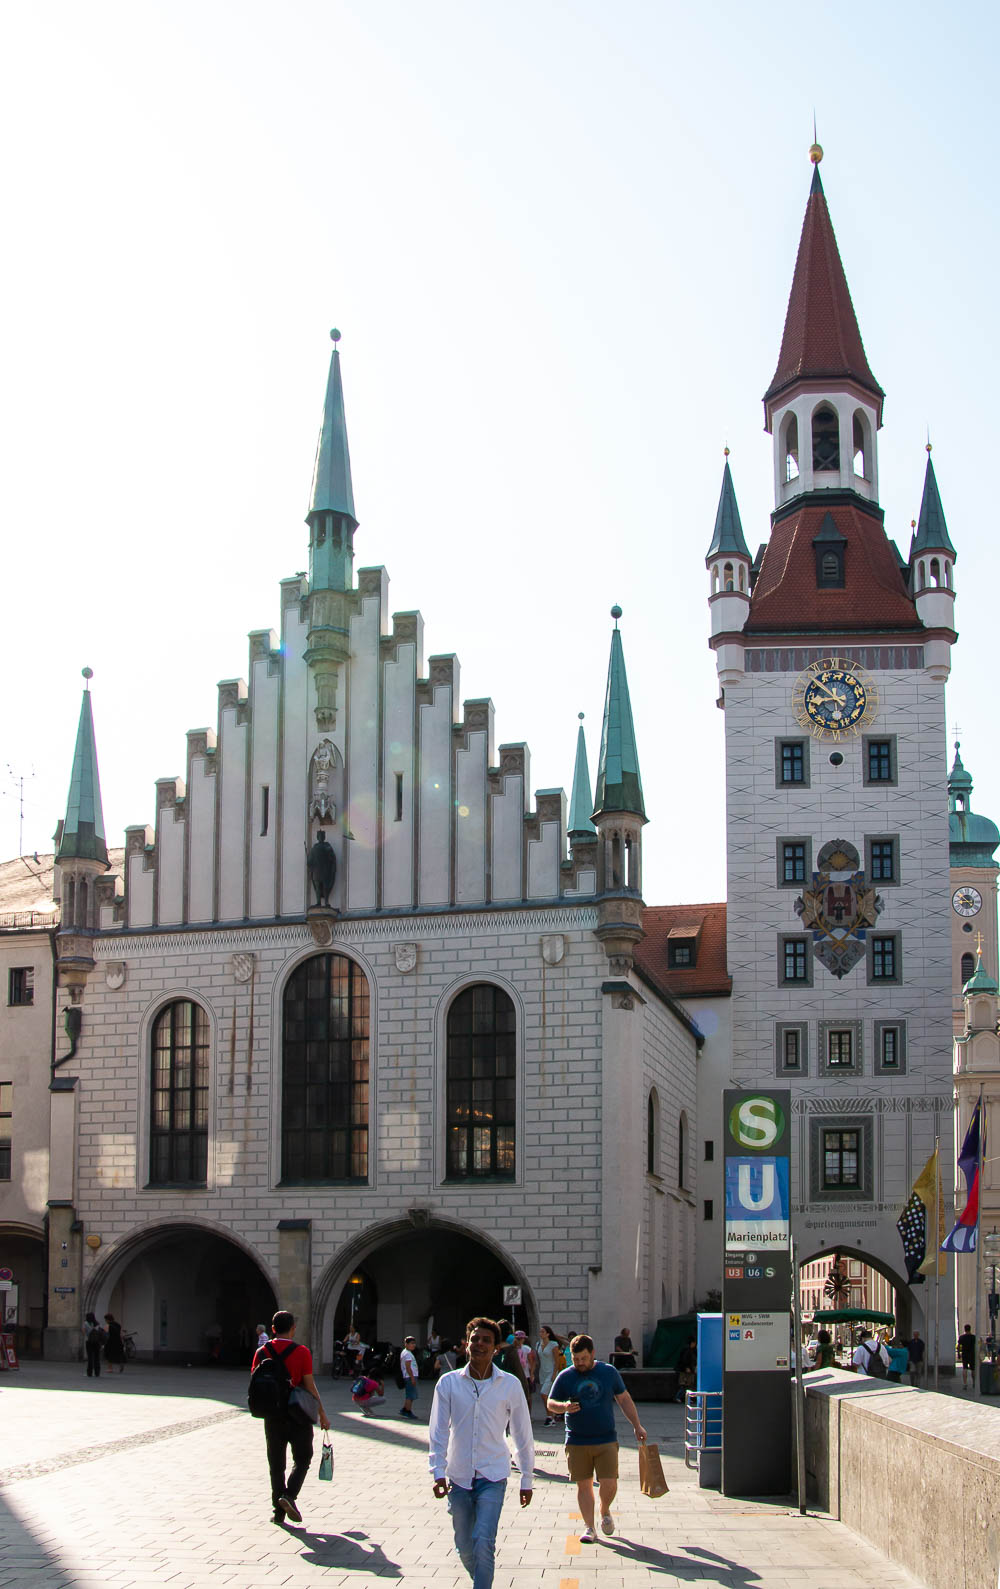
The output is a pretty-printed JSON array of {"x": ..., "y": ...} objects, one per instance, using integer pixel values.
[
  {"x": 708, "y": 975},
  {"x": 785, "y": 596},
  {"x": 821, "y": 338}
]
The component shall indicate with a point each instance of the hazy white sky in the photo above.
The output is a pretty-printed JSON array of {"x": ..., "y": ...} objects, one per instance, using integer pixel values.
[{"x": 558, "y": 240}]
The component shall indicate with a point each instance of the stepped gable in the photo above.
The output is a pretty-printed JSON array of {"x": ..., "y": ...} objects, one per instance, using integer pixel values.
[
  {"x": 821, "y": 339},
  {"x": 707, "y": 924},
  {"x": 785, "y": 595}
]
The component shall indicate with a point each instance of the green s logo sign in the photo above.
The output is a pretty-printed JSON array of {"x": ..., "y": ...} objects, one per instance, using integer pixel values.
[{"x": 756, "y": 1122}]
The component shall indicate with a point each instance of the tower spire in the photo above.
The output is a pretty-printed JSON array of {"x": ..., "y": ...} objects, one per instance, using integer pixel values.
[
  {"x": 728, "y": 537},
  {"x": 331, "y": 517},
  {"x": 619, "y": 786},
  {"x": 932, "y": 531},
  {"x": 83, "y": 836},
  {"x": 582, "y": 802}
]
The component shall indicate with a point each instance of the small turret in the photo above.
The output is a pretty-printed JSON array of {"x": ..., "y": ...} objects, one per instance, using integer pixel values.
[
  {"x": 728, "y": 563},
  {"x": 619, "y": 817},
  {"x": 581, "y": 828},
  {"x": 81, "y": 858},
  {"x": 932, "y": 577},
  {"x": 331, "y": 524}
]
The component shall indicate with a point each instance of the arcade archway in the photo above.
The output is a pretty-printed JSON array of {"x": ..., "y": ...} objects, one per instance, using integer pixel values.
[
  {"x": 893, "y": 1296},
  {"x": 23, "y": 1254},
  {"x": 190, "y": 1294},
  {"x": 406, "y": 1276}
]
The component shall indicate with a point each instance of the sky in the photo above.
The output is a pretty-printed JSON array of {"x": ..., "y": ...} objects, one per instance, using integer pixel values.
[{"x": 558, "y": 240}]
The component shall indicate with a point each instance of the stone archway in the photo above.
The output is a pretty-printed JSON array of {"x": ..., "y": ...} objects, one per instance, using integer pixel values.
[
  {"x": 192, "y": 1293},
  {"x": 414, "y": 1272},
  {"x": 909, "y": 1311}
]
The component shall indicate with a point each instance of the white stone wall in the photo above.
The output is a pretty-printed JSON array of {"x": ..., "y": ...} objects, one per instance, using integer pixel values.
[
  {"x": 667, "y": 1272},
  {"x": 905, "y": 1112},
  {"x": 25, "y": 1058}
]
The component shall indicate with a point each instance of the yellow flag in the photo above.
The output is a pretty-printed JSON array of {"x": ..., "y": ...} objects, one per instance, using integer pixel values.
[{"x": 927, "y": 1187}]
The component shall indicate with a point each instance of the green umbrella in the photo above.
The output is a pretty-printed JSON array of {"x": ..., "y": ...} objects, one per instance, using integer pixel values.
[{"x": 851, "y": 1316}]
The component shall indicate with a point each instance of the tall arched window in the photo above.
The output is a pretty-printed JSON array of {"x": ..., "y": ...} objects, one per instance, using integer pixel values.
[
  {"x": 481, "y": 1066},
  {"x": 968, "y": 966},
  {"x": 324, "y": 1085},
  {"x": 652, "y": 1133},
  {"x": 791, "y": 448},
  {"x": 178, "y": 1133},
  {"x": 826, "y": 440},
  {"x": 682, "y": 1151}
]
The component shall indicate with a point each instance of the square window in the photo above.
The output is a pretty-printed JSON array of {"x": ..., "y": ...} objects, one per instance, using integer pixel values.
[
  {"x": 879, "y": 760},
  {"x": 839, "y": 1049},
  {"x": 793, "y": 862},
  {"x": 21, "y": 985},
  {"x": 884, "y": 958},
  {"x": 680, "y": 952},
  {"x": 790, "y": 1042},
  {"x": 890, "y": 1048},
  {"x": 882, "y": 858},
  {"x": 840, "y": 1158},
  {"x": 794, "y": 962},
  {"x": 791, "y": 763}
]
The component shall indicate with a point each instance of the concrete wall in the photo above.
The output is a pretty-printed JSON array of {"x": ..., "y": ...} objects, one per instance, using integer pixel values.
[{"x": 916, "y": 1473}]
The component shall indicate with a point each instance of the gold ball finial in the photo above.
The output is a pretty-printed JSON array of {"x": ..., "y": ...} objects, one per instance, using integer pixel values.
[
  {"x": 816, "y": 153},
  {"x": 726, "y": 451}
]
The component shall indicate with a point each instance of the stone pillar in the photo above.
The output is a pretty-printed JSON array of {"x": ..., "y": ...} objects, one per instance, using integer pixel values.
[
  {"x": 63, "y": 1338},
  {"x": 295, "y": 1274}
]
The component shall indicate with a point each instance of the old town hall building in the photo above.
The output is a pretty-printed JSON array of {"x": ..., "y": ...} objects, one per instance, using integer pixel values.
[{"x": 358, "y": 1008}]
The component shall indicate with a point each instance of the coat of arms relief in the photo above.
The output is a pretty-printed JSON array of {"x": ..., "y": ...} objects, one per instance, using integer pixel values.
[{"x": 839, "y": 907}]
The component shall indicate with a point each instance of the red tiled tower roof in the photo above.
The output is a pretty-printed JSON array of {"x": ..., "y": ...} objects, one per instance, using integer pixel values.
[
  {"x": 785, "y": 594},
  {"x": 821, "y": 340}
]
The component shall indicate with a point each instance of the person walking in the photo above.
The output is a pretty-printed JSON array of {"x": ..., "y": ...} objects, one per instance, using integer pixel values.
[
  {"x": 93, "y": 1340},
  {"x": 114, "y": 1346},
  {"x": 918, "y": 1356},
  {"x": 899, "y": 1359},
  {"x": 411, "y": 1373},
  {"x": 826, "y": 1352},
  {"x": 528, "y": 1362},
  {"x": 282, "y": 1430},
  {"x": 550, "y": 1361},
  {"x": 586, "y": 1395},
  {"x": 967, "y": 1356},
  {"x": 467, "y": 1449},
  {"x": 262, "y": 1336},
  {"x": 869, "y": 1350}
]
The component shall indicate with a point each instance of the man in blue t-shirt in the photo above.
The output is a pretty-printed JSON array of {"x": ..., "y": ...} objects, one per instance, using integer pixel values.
[{"x": 586, "y": 1394}]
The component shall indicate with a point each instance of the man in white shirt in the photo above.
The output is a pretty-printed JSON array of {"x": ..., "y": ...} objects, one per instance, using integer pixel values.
[
  {"x": 410, "y": 1372},
  {"x": 868, "y": 1348},
  {"x": 469, "y": 1457}
]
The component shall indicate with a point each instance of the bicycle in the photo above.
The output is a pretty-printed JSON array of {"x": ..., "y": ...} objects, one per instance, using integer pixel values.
[{"x": 128, "y": 1343}]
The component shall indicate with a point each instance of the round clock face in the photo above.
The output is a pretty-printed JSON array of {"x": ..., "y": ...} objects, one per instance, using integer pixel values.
[
  {"x": 834, "y": 698},
  {"x": 966, "y": 901}
]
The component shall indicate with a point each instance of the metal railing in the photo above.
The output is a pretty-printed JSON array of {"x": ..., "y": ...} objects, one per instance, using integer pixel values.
[{"x": 702, "y": 1424}]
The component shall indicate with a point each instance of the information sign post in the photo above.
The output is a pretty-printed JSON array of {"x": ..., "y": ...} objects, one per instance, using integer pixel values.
[{"x": 756, "y": 1295}]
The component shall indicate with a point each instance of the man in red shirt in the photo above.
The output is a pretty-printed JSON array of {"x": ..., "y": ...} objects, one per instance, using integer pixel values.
[{"x": 284, "y": 1430}]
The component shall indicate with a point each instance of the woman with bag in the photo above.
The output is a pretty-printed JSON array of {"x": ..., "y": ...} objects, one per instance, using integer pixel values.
[
  {"x": 550, "y": 1361},
  {"x": 93, "y": 1340}
]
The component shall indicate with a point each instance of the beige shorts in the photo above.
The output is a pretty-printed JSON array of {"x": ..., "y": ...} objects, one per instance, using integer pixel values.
[{"x": 600, "y": 1462}]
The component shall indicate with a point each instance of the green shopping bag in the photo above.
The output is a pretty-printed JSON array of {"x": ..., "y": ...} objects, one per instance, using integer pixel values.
[{"x": 326, "y": 1460}]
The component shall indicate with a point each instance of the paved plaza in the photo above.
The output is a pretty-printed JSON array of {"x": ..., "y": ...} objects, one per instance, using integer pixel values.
[{"x": 158, "y": 1476}]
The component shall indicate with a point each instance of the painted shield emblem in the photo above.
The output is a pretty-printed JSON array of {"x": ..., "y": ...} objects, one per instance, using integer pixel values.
[{"x": 839, "y": 908}]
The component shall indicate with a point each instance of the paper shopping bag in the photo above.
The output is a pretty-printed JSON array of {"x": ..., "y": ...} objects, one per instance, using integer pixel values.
[
  {"x": 651, "y": 1480},
  {"x": 326, "y": 1460}
]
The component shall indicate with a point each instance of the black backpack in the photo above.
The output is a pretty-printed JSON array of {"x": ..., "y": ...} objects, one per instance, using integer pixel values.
[
  {"x": 270, "y": 1384},
  {"x": 876, "y": 1362}
]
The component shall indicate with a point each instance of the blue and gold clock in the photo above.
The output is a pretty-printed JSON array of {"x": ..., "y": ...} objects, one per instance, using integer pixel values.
[{"x": 834, "y": 698}]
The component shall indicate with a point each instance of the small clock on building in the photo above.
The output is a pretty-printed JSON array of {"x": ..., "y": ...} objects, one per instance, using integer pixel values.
[{"x": 966, "y": 901}]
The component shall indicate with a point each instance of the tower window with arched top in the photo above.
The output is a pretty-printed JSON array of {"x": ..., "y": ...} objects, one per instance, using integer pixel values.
[
  {"x": 790, "y": 447},
  {"x": 481, "y": 1083},
  {"x": 825, "y": 440},
  {"x": 743, "y": 578},
  {"x": 325, "y": 1060},
  {"x": 861, "y": 444},
  {"x": 727, "y": 577},
  {"x": 715, "y": 578},
  {"x": 935, "y": 571},
  {"x": 178, "y": 1128},
  {"x": 968, "y": 966}
]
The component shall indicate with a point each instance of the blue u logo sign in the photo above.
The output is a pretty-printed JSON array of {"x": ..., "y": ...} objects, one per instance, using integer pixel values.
[{"x": 756, "y": 1189}]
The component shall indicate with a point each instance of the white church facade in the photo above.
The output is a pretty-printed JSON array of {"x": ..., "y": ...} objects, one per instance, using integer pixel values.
[{"x": 361, "y": 1024}]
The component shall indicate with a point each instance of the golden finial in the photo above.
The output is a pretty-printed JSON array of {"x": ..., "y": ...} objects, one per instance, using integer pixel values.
[
  {"x": 816, "y": 152},
  {"x": 979, "y": 944},
  {"x": 726, "y": 451}
]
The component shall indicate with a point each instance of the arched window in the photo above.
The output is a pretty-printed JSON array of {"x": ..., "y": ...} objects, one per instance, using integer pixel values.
[
  {"x": 324, "y": 1087},
  {"x": 178, "y": 1131},
  {"x": 743, "y": 577},
  {"x": 83, "y": 903},
  {"x": 791, "y": 448},
  {"x": 935, "y": 571},
  {"x": 653, "y": 1133},
  {"x": 715, "y": 578},
  {"x": 481, "y": 1078},
  {"x": 682, "y": 1150},
  {"x": 826, "y": 440},
  {"x": 968, "y": 966},
  {"x": 727, "y": 577},
  {"x": 862, "y": 449}
]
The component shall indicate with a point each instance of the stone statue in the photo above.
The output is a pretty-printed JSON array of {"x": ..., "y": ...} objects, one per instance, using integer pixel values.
[{"x": 322, "y": 868}]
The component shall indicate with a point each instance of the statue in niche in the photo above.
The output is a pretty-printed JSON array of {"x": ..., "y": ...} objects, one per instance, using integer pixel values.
[
  {"x": 324, "y": 762},
  {"x": 322, "y": 869}
]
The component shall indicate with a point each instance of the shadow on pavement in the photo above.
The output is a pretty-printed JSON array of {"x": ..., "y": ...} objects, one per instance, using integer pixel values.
[
  {"x": 731, "y": 1573},
  {"x": 24, "y": 1558},
  {"x": 352, "y": 1550}
]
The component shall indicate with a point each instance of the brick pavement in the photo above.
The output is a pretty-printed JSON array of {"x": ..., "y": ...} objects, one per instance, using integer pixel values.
[{"x": 158, "y": 1477}]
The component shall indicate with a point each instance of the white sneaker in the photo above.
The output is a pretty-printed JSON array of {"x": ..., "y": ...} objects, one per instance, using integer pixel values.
[
  {"x": 607, "y": 1524},
  {"x": 588, "y": 1537}
]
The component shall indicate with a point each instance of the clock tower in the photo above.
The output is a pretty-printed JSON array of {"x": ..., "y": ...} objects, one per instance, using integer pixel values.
[{"x": 832, "y": 660}]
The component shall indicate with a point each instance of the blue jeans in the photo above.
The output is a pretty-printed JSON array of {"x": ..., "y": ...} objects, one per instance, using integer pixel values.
[{"x": 475, "y": 1515}]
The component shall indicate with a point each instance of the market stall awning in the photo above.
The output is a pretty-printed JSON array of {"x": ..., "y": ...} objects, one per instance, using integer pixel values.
[{"x": 851, "y": 1316}]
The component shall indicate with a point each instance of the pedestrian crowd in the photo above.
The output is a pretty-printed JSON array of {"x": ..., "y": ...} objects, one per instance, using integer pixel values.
[{"x": 480, "y": 1407}]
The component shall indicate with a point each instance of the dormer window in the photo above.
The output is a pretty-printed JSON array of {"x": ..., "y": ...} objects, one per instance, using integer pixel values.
[
  {"x": 682, "y": 947},
  {"x": 829, "y": 546},
  {"x": 826, "y": 441}
]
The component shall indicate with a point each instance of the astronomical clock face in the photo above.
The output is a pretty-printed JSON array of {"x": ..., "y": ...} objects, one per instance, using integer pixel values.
[
  {"x": 834, "y": 698},
  {"x": 966, "y": 901}
]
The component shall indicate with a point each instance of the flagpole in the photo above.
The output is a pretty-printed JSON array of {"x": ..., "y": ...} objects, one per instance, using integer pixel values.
[
  {"x": 977, "y": 1376},
  {"x": 937, "y": 1263}
]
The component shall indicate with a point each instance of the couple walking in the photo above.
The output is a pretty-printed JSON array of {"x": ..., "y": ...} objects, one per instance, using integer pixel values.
[{"x": 468, "y": 1453}]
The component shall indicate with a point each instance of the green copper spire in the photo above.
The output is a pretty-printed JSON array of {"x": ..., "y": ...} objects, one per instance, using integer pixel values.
[
  {"x": 980, "y": 980},
  {"x": 582, "y": 803},
  {"x": 331, "y": 518},
  {"x": 932, "y": 531},
  {"x": 728, "y": 538},
  {"x": 619, "y": 787},
  {"x": 83, "y": 831}
]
